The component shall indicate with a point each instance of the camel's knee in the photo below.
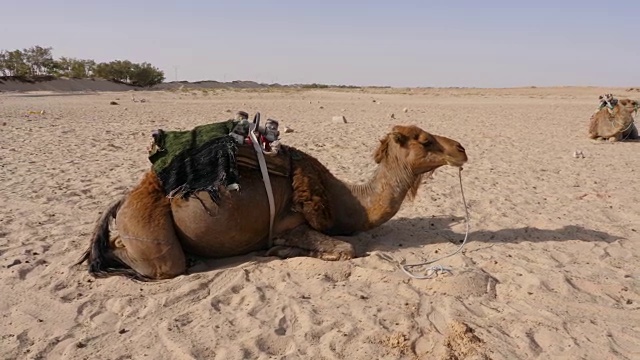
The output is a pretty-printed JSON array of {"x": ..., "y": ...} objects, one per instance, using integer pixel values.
[
  {"x": 337, "y": 253},
  {"x": 305, "y": 242}
]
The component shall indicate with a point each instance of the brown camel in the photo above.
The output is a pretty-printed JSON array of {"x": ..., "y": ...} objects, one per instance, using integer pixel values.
[
  {"x": 154, "y": 232},
  {"x": 614, "y": 119}
]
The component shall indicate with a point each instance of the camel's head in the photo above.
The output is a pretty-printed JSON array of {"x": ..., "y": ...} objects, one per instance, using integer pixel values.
[
  {"x": 625, "y": 105},
  {"x": 423, "y": 152},
  {"x": 631, "y": 106}
]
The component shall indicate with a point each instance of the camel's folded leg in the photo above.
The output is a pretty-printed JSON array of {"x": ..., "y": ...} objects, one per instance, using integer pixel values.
[{"x": 304, "y": 241}]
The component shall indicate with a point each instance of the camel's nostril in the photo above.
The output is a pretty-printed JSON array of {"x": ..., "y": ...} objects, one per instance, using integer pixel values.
[{"x": 460, "y": 148}]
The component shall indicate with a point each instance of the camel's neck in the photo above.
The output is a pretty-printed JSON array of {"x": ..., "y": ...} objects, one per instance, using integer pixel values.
[
  {"x": 621, "y": 117},
  {"x": 366, "y": 206}
]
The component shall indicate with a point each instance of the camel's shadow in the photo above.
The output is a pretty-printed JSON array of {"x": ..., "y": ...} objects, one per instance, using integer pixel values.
[
  {"x": 417, "y": 232},
  {"x": 605, "y": 142},
  {"x": 402, "y": 233}
]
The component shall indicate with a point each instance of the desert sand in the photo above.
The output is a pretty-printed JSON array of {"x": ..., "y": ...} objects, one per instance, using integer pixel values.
[{"x": 550, "y": 270}]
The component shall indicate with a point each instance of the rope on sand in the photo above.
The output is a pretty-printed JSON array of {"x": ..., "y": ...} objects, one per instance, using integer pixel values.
[{"x": 434, "y": 270}]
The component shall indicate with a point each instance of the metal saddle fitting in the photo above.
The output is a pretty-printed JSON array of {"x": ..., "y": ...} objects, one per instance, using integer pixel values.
[
  {"x": 270, "y": 130},
  {"x": 241, "y": 131},
  {"x": 267, "y": 134}
]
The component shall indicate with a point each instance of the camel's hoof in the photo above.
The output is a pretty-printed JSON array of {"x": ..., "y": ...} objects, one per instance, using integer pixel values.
[
  {"x": 285, "y": 252},
  {"x": 335, "y": 256},
  {"x": 342, "y": 252}
]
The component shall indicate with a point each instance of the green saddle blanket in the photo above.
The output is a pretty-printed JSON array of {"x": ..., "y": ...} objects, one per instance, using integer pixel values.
[{"x": 202, "y": 158}]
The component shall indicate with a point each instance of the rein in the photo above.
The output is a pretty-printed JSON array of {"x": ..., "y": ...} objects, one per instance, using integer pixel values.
[
  {"x": 265, "y": 175},
  {"x": 433, "y": 271}
]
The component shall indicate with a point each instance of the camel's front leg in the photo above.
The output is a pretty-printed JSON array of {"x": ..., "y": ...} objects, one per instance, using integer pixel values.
[{"x": 304, "y": 241}]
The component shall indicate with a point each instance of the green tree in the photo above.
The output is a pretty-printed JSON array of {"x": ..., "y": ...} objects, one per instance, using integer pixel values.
[
  {"x": 63, "y": 67},
  {"x": 146, "y": 75},
  {"x": 121, "y": 70},
  {"x": 37, "y": 58},
  {"x": 75, "y": 68},
  {"x": 4, "y": 63},
  {"x": 102, "y": 70},
  {"x": 16, "y": 65}
]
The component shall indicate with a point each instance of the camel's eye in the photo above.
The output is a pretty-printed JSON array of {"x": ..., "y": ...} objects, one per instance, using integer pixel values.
[{"x": 425, "y": 142}]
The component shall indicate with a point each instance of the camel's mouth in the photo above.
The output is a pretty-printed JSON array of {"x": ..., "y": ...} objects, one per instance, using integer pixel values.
[
  {"x": 458, "y": 157},
  {"x": 456, "y": 162}
]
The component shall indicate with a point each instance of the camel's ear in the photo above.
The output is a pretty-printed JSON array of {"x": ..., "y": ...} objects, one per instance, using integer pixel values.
[
  {"x": 382, "y": 150},
  {"x": 399, "y": 138}
]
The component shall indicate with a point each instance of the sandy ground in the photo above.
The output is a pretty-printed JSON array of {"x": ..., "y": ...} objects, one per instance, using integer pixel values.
[{"x": 550, "y": 270}]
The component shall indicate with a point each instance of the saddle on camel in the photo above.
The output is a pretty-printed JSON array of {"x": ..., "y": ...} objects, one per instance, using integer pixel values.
[
  {"x": 231, "y": 188},
  {"x": 613, "y": 120}
]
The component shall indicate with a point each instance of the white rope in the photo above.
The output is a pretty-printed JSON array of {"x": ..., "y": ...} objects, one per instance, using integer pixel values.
[
  {"x": 433, "y": 271},
  {"x": 265, "y": 177},
  {"x": 629, "y": 133}
]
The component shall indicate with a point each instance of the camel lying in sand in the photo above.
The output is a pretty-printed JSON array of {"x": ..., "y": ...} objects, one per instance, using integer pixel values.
[
  {"x": 614, "y": 119},
  {"x": 154, "y": 232}
]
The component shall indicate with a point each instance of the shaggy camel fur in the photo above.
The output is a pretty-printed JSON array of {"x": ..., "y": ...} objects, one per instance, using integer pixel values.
[
  {"x": 614, "y": 119},
  {"x": 154, "y": 232}
]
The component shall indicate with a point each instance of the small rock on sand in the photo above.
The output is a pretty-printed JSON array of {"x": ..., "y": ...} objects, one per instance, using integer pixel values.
[
  {"x": 288, "y": 129},
  {"x": 340, "y": 119},
  {"x": 392, "y": 115},
  {"x": 113, "y": 103},
  {"x": 405, "y": 110},
  {"x": 14, "y": 263}
]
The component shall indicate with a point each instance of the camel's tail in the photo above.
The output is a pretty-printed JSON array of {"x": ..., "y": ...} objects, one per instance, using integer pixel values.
[{"x": 102, "y": 261}]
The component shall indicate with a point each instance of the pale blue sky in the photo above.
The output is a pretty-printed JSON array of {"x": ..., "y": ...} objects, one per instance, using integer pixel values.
[{"x": 397, "y": 43}]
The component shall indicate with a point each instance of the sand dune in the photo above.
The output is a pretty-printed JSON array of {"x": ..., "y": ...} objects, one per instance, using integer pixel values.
[
  {"x": 48, "y": 83},
  {"x": 550, "y": 270}
]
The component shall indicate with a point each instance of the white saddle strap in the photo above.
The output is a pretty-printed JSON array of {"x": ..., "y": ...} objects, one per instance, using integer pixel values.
[{"x": 265, "y": 178}]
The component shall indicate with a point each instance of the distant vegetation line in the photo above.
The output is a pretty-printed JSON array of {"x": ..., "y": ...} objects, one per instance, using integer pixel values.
[{"x": 37, "y": 62}]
